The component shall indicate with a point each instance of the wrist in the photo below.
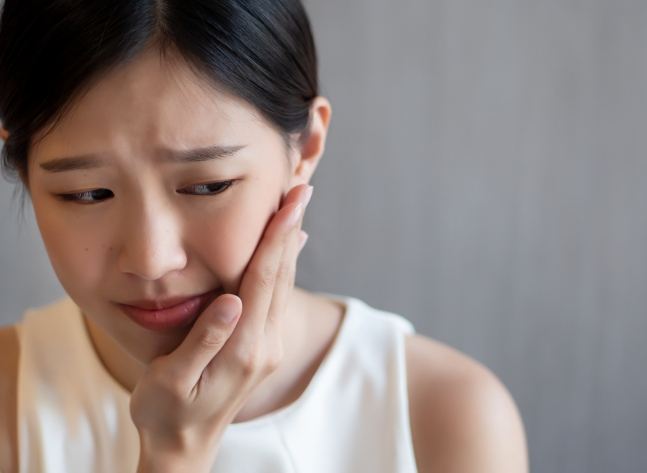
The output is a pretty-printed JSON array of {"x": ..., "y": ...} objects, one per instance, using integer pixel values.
[
  {"x": 175, "y": 455},
  {"x": 165, "y": 463}
]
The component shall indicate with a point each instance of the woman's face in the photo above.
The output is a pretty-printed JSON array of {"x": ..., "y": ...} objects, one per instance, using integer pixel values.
[{"x": 151, "y": 228}]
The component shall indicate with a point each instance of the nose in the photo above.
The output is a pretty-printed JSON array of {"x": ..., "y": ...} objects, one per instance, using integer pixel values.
[{"x": 151, "y": 242}]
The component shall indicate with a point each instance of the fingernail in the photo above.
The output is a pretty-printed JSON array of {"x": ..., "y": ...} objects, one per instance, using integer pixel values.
[
  {"x": 295, "y": 215},
  {"x": 303, "y": 237},
  {"x": 308, "y": 196},
  {"x": 227, "y": 313}
]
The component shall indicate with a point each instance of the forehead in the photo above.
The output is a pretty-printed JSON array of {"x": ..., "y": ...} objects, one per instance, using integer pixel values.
[{"x": 151, "y": 100}]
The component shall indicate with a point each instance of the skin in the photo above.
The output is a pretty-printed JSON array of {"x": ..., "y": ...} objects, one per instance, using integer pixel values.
[
  {"x": 169, "y": 243},
  {"x": 462, "y": 418}
]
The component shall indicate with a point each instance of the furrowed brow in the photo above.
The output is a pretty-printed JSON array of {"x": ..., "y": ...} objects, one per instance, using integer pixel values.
[
  {"x": 91, "y": 161},
  {"x": 200, "y": 154},
  {"x": 73, "y": 163}
]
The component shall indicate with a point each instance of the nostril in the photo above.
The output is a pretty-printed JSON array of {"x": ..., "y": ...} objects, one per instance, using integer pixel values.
[
  {"x": 150, "y": 243},
  {"x": 152, "y": 265}
]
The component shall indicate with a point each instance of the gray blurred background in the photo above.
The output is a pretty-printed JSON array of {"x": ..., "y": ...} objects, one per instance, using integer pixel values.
[{"x": 485, "y": 177}]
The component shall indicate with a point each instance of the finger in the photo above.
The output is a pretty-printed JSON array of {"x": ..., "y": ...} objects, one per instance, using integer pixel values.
[
  {"x": 284, "y": 284},
  {"x": 257, "y": 285},
  {"x": 208, "y": 335},
  {"x": 303, "y": 239},
  {"x": 286, "y": 276}
]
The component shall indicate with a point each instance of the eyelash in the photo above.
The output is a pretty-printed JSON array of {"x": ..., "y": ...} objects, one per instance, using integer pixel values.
[{"x": 78, "y": 197}]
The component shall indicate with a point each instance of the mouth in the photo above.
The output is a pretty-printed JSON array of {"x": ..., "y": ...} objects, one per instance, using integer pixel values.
[{"x": 168, "y": 314}]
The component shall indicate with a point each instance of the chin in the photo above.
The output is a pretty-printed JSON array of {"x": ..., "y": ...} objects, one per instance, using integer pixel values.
[
  {"x": 146, "y": 347},
  {"x": 163, "y": 349}
]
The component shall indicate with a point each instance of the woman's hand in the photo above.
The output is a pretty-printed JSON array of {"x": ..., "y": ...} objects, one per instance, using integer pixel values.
[{"x": 185, "y": 400}]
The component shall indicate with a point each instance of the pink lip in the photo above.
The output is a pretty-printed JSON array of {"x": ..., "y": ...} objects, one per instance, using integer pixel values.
[
  {"x": 167, "y": 314},
  {"x": 156, "y": 304}
]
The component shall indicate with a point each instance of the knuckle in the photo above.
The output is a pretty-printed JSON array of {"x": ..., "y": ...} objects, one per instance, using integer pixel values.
[
  {"x": 212, "y": 338},
  {"x": 250, "y": 360},
  {"x": 284, "y": 271},
  {"x": 175, "y": 390},
  {"x": 165, "y": 381},
  {"x": 274, "y": 360},
  {"x": 266, "y": 276}
]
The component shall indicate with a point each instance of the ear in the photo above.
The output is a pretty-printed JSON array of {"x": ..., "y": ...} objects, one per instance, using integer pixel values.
[{"x": 310, "y": 144}]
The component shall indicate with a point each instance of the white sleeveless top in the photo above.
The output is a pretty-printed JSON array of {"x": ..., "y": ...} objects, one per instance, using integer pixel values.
[{"x": 353, "y": 416}]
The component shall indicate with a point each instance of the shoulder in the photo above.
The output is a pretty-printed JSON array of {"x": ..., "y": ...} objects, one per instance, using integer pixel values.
[
  {"x": 9, "y": 352},
  {"x": 463, "y": 419}
]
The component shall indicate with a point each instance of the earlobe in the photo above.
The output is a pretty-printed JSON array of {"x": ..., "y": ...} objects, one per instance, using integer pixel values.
[{"x": 312, "y": 142}]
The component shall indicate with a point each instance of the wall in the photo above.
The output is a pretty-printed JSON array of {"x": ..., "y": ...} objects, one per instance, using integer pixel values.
[{"x": 485, "y": 176}]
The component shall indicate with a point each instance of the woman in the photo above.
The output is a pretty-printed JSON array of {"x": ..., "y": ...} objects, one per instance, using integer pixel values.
[{"x": 166, "y": 147}]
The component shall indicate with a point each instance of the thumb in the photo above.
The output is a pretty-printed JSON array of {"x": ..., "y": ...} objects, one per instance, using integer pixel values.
[{"x": 208, "y": 335}]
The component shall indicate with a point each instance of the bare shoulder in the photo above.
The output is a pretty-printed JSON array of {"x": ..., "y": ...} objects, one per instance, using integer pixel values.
[
  {"x": 463, "y": 419},
  {"x": 9, "y": 352}
]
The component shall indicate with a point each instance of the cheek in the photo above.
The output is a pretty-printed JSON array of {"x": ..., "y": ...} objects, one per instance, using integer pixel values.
[
  {"x": 73, "y": 254},
  {"x": 228, "y": 242}
]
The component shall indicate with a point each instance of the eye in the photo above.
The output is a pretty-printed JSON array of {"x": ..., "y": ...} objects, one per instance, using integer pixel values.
[
  {"x": 211, "y": 188},
  {"x": 87, "y": 197},
  {"x": 99, "y": 195}
]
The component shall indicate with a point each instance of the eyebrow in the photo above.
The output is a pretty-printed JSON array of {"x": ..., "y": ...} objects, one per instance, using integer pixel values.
[{"x": 93, "y": 161}]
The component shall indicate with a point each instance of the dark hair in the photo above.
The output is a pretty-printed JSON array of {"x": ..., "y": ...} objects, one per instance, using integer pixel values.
[{"x": 51, "y": 51}]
